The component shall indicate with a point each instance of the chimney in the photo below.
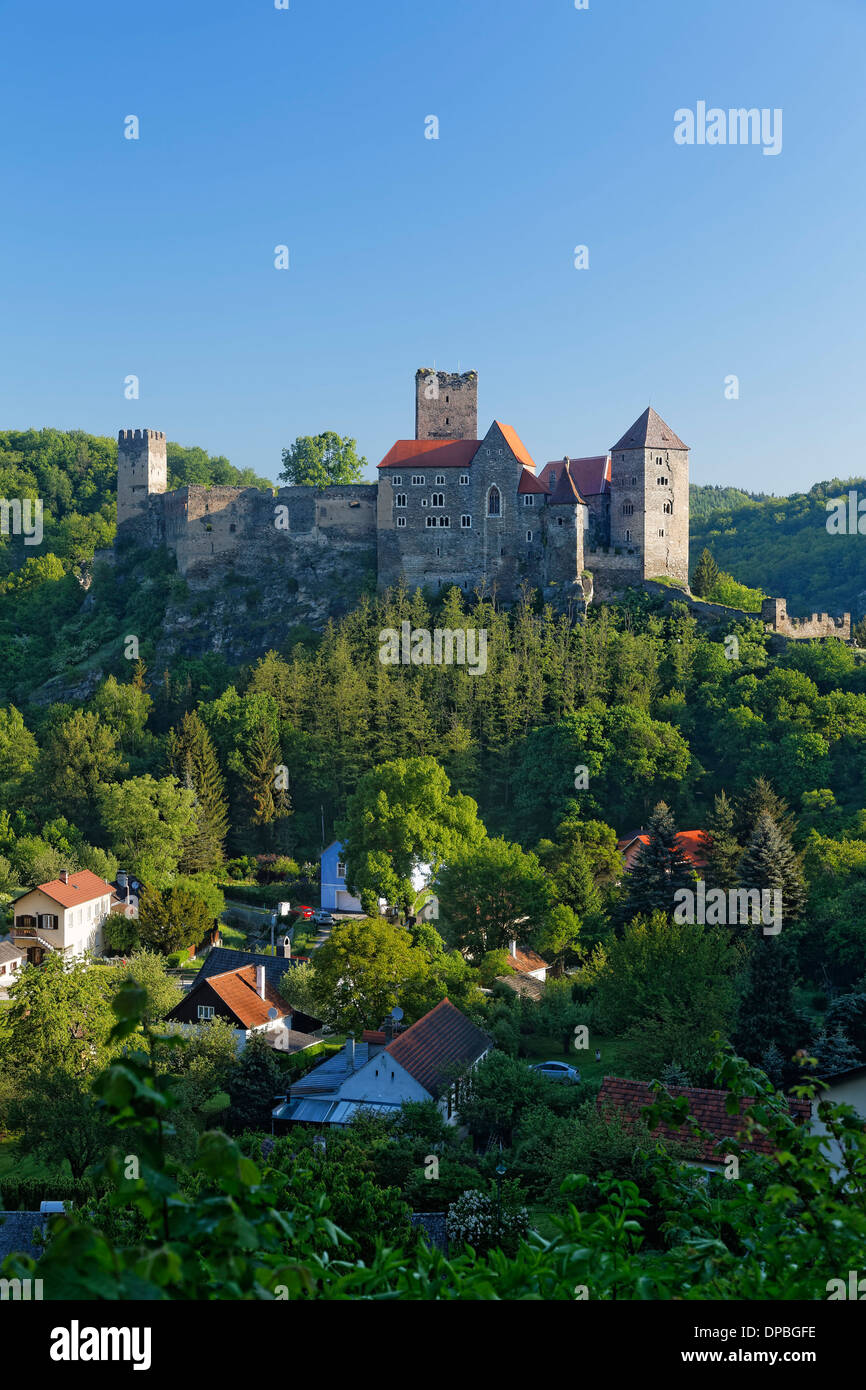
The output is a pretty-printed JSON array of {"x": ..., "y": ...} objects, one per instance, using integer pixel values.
[
  {"x": 512, "y": 947},
  {"x": 121, "y": 878},
  {"x": 260, "y": 981},
  {"x": 287, "y": 947},
  {"x": 350, "y": 1051},
  {"x": 64, "y": 875},
  {"x": 388, "y": 1028}
]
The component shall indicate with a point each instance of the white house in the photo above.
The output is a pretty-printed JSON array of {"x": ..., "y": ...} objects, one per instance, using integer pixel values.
[
  {"x": 65, "y": 915},
  {"x": 11, "y": 960},
  {"x": 379, "y": 1076},
  {"x": 845, "y": 1088}
]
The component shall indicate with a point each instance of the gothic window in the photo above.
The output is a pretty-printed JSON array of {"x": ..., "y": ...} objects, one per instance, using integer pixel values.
[
  {"x": 529, "y": 535},
  {"x": 417, "y": 479},
  {"x": 438, "y": 499},
  {"x": 400, "y": 499},
  {"x": 661, "y": 532},
  {"x": 494, "y": 502},
  {"x": 464, "y": 479},
  {"x": 465, "y": 522},
  {"x": 669, "y": 506},
  {"x": 397, "y": 479},
  {"x": 430, "y": 521},
  {"x": 440, "y": 479},
  {"x": 443, "y": 520}
]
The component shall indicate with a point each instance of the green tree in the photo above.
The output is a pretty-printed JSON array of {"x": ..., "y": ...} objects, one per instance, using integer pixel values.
[
  {"x": 193, "y": 761},
  {"x": 705, "y": 575},
  {"x": 147, "y": 970},
  {"x": 660, "y": 868},
  {"x": 361, "y": 971},
  {"x": 59, "y": 1019},
  {"x": 721, "y": 849},
  {"x": 254, "y": 1083},
  {"x": 171, "y": 920},
  {"x": 770, "y": 864},
  {"x": 147, "y": 822},
  {"x": 490, "y": 895},
  {"x": 322, "y": 459}
]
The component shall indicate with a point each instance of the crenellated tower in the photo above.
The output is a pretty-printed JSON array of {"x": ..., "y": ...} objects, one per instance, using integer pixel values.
[{"x": 142, "y": 471}]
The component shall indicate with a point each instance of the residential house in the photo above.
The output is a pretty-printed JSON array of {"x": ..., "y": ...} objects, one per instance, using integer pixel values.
[
  {"x": 690, "y": 843},
  {"x": 845, "y": 1088},
  {"x": 335, "y": 895},
  {"x": 251, "y": 1003},
  {"x": 127, "y": 890},
  {"x": 379, "y": 1076},
  {"x": 628, "y": 1099},
  {"x": 11, "y": 960},
  {"x": 65, "y": 915}
]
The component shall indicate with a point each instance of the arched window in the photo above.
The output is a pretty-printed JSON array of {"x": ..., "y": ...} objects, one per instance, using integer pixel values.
[{"x": 494, "y": 502}]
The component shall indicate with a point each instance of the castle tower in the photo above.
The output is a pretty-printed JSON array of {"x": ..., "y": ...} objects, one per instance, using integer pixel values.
[
  {"x": 142, "y": 470},
  {"x": 446, "y": 405},
  {"x": 649, "y": 497}
]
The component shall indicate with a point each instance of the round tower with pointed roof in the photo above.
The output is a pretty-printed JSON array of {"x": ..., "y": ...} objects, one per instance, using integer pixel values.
[{"x": 649, "y": 497}]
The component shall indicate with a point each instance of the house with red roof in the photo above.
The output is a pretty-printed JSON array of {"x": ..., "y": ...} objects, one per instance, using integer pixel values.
[
  {"x": 65, "y": 915},
  {"x": 378, "y": 1076},
  {"x": 690, "y": 842},
  {"x": 249, "y": 999}
]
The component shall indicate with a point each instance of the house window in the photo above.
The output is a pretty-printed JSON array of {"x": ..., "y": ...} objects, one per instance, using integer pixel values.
[
  {"x": 417, "y": 479},
  {"x": 401, "y": 521},
  {"x": 465, "y": 522},
  {"x": 444, "y": 520},
  {"x": 494, "y": 502},
  {"x": 464, "y": 479},
  {"x": 438, "y": 499},
  {"x": 440, "y": 479},
  {"x": 205, "y": 1011},
  {"x": 528, "y": 499},
  {"x": 397, "y": 479},
  {"x": 400, "y": 499},
  {"x": 529, "y": 535},
  {"x": 341, "y": 871}
]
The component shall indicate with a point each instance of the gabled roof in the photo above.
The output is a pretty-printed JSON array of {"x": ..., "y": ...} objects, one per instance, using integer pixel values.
[
  {"x": 565, "y": 493},
  {"x": 439, "y": 453},
  {"x": 649, "y": 432},
  {"x": 690, "y": 842},
  {"x": 237, "y": 989},
  {"x": 9, "y": 952},
  {"x": 514, "y": 442},
  {"x": 591, "y": 476},
  {"x": 529, "y": 483},
  {"x": 82, "y": 887},
  {"x": 524, "y": 961},
  {"x": 438, "y": 1042},
  {"x": 223, "y": 958},
  {"x": 707, "y": 1108},
  {"x": 526, "y": 985}
]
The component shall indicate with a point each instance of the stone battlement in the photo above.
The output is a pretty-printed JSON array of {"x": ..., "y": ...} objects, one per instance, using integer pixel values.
[
  {"x": 774, "y": 615},
  {"x": 140, "y": 435}
]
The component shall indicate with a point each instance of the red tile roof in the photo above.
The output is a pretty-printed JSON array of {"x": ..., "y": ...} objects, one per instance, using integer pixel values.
[
  {"x": 373, "y": 1035},
  {"x": 590, "y": 476},
  {"x": 432, "y": 1047},
  {"x": 706, "y": 1107},
  {"x": 237, "y": 989},
  {"x": 516, "y": 445},
  {"x": 524, "y": 961},
  {"x": 81, "y": 888},
  {"x": 529, "y": 483},
  {"x": 690, "y": 842},
  {"x": 443, "y": 453}
]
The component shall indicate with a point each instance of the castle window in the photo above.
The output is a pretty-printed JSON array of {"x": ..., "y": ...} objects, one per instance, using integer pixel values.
[
  {"x": 447, "y": 421},
  {"x": 440, "y": 479},
  {"x": 628, "y": 535},
  {"x": 529, "y": 535},
  {"x": 423, "y": 501},
  {"x": 528, "y": 499},
  {"x": 464, "y": 479},
  {"x": 444, "y": 520},
  {"x": 233, "y": 527},
  {"x": 400, "y": 499},
  {"x": 438, "y": 499},
  {"x": 401, "y": 521},
  {"x": 634, "y": 482},
  {"x": 447, "y": 399},
  {"x": 627, "y": 508},
  {"x": 661, "y": 532},
  {"x": 465, "y": 522},
  {"x": 494, "y": 502},
  {"x": 430, "y": 521},
  {"x": 417, "y": 479},
  {"x": 397, "y": 479},
  {"x": 560, "y": 521},
  {"x": 669, "y": 506}
]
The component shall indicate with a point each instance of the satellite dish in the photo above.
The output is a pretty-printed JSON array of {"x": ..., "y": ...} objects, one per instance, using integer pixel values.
[
  {"x": 273, "y": 1013},
  {"x": 397, "y": 1014}
]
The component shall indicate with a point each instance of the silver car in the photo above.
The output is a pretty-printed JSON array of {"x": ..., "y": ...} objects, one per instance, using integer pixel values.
[{"x": 557, "y": 1071}]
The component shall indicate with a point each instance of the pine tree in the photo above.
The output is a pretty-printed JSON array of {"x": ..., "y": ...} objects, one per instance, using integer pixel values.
[
  {"x": 768, "y": 1014},
  {"x": 193, "y": 760},
  {"x": 834, "y": 1052},
  {"x": 769, "y": 864},
  {"x": 757, "y": 799},
  {"x": 705, "y": 575},
  {"x": 722, "y": 850},
  {"x": 660, "y": 869}
]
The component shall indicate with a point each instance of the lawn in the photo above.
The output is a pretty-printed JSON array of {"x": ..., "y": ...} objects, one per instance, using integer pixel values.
[{"x": 542, "y": 1047}]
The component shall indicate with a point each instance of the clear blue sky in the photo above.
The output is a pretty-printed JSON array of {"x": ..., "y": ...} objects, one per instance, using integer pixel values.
[{"x": 306, "y": 127}]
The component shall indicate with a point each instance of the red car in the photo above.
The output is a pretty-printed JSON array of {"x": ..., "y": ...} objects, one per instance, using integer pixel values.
[{"x": 305, "y": 912}]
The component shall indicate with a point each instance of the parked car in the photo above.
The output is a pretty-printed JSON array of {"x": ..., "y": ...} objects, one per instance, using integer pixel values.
[
  {"x": 557, "y": 1071},
  {"x": 324, "y": 919},
  {"x": 305, "y": 912}
]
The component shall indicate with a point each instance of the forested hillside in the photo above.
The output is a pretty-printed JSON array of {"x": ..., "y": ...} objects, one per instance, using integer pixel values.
[{"x": 781, "y": 545}]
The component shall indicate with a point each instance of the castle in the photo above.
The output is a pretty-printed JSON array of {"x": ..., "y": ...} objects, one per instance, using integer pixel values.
[{"x": 449, "y": 509}]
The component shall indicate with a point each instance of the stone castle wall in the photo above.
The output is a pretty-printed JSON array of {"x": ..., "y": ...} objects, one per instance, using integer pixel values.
[{"x": 774, "y": 615}]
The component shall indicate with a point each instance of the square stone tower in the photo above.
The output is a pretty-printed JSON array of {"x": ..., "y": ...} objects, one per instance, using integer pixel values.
[
  {"x": 446, "y": 405},
  {"x": 142, "y": 471},
  {"x": 649, "y": 497}
]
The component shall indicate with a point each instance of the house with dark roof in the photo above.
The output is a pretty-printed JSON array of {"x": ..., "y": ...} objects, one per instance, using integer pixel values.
[
  {"x": 223, "y": 958},
  {"x": 420, "y": 1064},
  {"x": 708, "y": 1108},
  {"x": 252, "y": 1003}
]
